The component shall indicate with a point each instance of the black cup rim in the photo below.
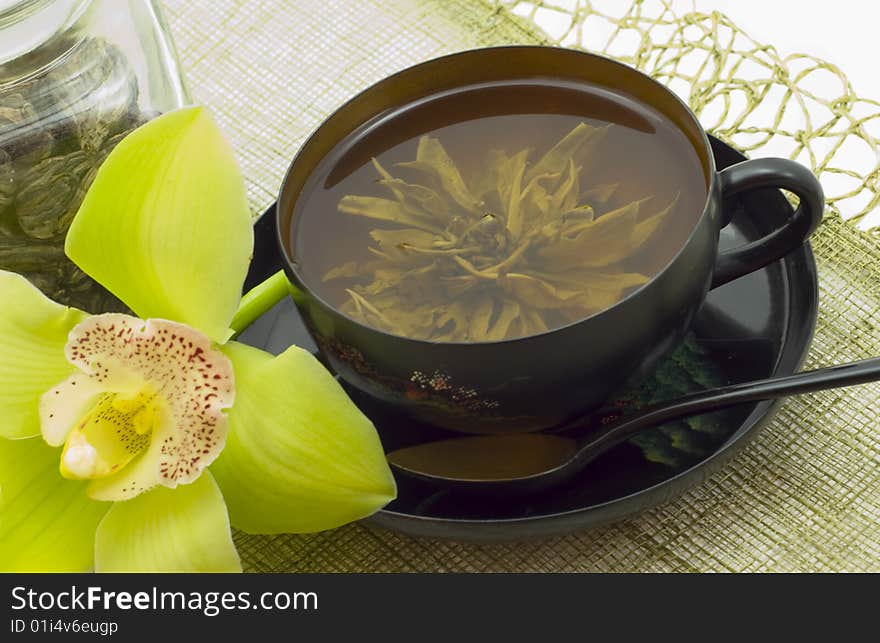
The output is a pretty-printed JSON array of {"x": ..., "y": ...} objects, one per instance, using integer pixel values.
[{"x": 301, "y": 284}]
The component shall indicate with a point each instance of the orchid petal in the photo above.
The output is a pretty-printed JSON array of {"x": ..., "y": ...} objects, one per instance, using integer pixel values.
[
  {"x": 300, "y": 456},
  {"x": 165, "y": 226},
  {"x": 47, "y": 523},
  {"x": 33, "y": 332},
  {"x": 180, "y": 530}
]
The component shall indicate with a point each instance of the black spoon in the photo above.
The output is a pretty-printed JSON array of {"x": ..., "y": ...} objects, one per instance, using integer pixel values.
[{"x": 522, "y": 464}]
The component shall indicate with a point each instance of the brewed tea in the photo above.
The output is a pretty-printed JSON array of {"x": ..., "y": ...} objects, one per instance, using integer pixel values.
[{"x": 497, "y": 211}]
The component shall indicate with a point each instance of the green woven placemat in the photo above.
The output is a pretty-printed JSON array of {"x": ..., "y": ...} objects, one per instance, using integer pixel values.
[{"x": 805, "y": 495}]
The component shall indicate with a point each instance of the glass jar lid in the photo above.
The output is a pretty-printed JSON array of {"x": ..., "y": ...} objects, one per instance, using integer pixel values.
[{"x": 27, "y": 24}]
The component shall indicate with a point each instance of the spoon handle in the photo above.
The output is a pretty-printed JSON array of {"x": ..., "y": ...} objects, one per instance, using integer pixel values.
[{"x": 867, "y": 370}]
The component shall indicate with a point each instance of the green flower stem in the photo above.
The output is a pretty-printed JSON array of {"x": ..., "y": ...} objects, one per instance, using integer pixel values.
[{"x": 259, "y": 300}]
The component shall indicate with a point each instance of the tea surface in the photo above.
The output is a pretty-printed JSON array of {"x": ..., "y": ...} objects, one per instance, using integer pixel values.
[{"x": 497, "y": 211}]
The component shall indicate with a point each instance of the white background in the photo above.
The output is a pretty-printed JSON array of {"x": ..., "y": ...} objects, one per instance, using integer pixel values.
[
  {"x": 843, "y": 32},
  {"x": 846, "y": 33}
]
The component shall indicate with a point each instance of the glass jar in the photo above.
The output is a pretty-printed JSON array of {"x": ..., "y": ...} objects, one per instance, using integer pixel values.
[{"x": 75, "y": 77}]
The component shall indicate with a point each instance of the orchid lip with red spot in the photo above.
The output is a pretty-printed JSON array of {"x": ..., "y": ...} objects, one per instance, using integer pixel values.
[{"x": 184, "y": 384}]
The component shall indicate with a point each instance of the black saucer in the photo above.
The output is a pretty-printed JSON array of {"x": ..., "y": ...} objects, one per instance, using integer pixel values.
[{"x": 757, "y": 326}]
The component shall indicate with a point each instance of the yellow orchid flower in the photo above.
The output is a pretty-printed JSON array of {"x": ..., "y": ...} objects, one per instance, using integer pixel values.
[{"x": 132, "y": 443}]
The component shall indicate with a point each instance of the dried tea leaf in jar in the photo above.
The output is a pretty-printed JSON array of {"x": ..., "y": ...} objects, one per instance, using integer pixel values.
[
  {"x": 7, "y": 194},
  {"x": 67, "y": 97},
  {"x": 55, "y": 131},
  {"x": 96, "y": 93}
]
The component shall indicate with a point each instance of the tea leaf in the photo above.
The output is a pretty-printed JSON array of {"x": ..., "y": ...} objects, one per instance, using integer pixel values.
[
  {"x": 534, "y": 322},
  {"x": 487, "y": 183},
  {"x": 397, "y": 243},
  {"x": 345, "y": 271},
  {"x": 26, "y": 255},
  {"x": 517, "y": 167},
  {"x": 510, "y": 310},
  {"x": 588, "y": 278},
  {"x": 600, "y": 242},
  {"x": 579, "y": 214},
  {"x": 458, "y": 314},
  {"x": 7, "y": 190},
  {"x": 479, "y": 322},
  {"x": 418, "y": 199},
  {"x": 96, "y": 66},
  {"x": 600, "y": 194},
  {"x": 51, "y": 193},
  {"x": 56, "y": 128},
  {"x": 455, "y": 286},
  {"x": 365, "y": 309},
  {"x": 537, "y": 292},
  {"x": 536, "y": 202},
  {"x": 383, "y": 210},
  {"x": 565, "y": 198},
  {"x": 556, "y": 160},
  {"x": 601, "y": 295},
  {"x": 432, "y": 159},
  {"x": 644, "y": 229}
]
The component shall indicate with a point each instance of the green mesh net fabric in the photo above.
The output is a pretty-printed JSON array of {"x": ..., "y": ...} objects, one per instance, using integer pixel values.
[{"x": 805, "y": 494}]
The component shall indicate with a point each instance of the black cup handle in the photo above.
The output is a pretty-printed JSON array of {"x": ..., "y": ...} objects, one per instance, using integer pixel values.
[{"x": 769, "y": 173}]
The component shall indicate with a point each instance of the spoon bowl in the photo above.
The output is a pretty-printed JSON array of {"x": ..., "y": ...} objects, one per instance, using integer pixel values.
[{"x": 510, "y": 465}]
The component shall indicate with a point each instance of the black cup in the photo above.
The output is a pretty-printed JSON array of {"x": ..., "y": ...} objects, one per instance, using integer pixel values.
[{"x": 539, "y": 381}]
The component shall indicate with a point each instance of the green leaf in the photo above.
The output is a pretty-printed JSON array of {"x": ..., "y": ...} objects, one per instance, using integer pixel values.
[
  {"x": 688, "y": 369},
  {"x": 33, "y": 333},
  {"x": 168, "y": 530},
  {"x": 47, "y": 523},
  {"x": 165, "y": 225},
  {"x": 300, "y": 456}
]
